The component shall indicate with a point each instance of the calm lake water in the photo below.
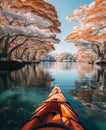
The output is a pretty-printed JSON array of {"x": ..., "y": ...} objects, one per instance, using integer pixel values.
[{"x": 83, "y": 85}]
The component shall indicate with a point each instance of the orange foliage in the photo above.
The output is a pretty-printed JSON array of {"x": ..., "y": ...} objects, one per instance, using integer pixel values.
[
  {"x": 3, "y": 20},
  {"x": 51, "y": 46},
  {"x": 96, "y": 19},
  {"x": 72, "y": 36},
  {"x": 95, "y": 10},
  {"x": 86, "y": 57},
  {"x": 82, "y": 50},
  {"x": 99, "y": 2},
  {"x": 85, "y": 33},
  {"x": 79, "y": 9},
  {"x": 75, "y": 35},
  {"x": 97, "y": 37},
  {"x": 99, "y": 6},
  {"x": 39, "y": 7}
]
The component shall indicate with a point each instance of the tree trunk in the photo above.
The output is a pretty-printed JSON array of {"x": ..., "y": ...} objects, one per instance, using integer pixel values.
[
  {"x": 104, "y": 50},
  {"x": 14, "y": 48},
  {"x": 101, "y": 53},
  {"x": 7, "y": 41},
  {"x": 5, "y": 48}
]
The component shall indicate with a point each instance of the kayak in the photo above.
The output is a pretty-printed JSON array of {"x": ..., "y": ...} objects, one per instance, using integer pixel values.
[{"x": 55, "y": 113}]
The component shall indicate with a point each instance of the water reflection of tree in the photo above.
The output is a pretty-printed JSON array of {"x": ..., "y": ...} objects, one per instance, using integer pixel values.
[
  {"x": 19, "y": 103},
  {"x": 91, "y": 90},
  {"x": 101, "y": 76},
  {"x": 32, "y": 75},
  {"x": 60, "y": 66},
  {"x": 85, "y": 68}
]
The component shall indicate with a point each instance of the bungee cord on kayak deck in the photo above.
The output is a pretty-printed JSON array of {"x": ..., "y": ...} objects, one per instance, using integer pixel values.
[
  {"x": 52, "y": 125},
  {"x": 54, "y": 112}
]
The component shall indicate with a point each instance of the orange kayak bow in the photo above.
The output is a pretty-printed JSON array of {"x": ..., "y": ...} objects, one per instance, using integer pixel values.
[{"x": 53, "y": 114}]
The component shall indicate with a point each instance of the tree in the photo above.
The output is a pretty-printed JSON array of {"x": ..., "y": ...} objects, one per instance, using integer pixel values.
[
  {"x": 25, "y": 21},
  {"x": 84, "y": 55},
  {"x": 91, "y": 29}
]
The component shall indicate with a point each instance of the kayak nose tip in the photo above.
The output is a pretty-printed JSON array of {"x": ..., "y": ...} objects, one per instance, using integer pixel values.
[{"x": 57, "y": 85}]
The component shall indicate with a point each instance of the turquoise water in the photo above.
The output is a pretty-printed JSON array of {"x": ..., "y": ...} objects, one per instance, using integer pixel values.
[{"x": 83, "y": 85}]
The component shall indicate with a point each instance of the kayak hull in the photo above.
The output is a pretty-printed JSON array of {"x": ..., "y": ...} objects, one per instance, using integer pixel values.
[{"x": 54, "y": 113}]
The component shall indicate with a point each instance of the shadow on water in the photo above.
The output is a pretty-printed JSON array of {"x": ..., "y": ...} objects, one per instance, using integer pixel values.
[
  {"x": 21, "y": 92},
  {"x": 12, "y": 111},
  {"x": 92, "y": 125}
]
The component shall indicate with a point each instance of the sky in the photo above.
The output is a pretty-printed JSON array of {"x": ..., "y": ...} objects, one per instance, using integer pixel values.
[{"x": 65, "y": 8}]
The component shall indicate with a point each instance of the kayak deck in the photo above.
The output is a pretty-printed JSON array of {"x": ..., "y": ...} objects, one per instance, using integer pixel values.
[{"x": 54, "y": 114}]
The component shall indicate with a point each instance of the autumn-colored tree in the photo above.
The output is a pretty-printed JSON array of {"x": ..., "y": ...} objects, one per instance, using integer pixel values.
[
  {"x": 22, "y": 21},
  {"x": 84, "y": 55},
  {"x": 31, "y": 50},
  {"x": 91, "y": 31}
]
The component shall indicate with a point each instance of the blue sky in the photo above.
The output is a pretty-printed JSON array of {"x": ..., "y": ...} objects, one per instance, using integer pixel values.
[{"x": 64, "y": 8}]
